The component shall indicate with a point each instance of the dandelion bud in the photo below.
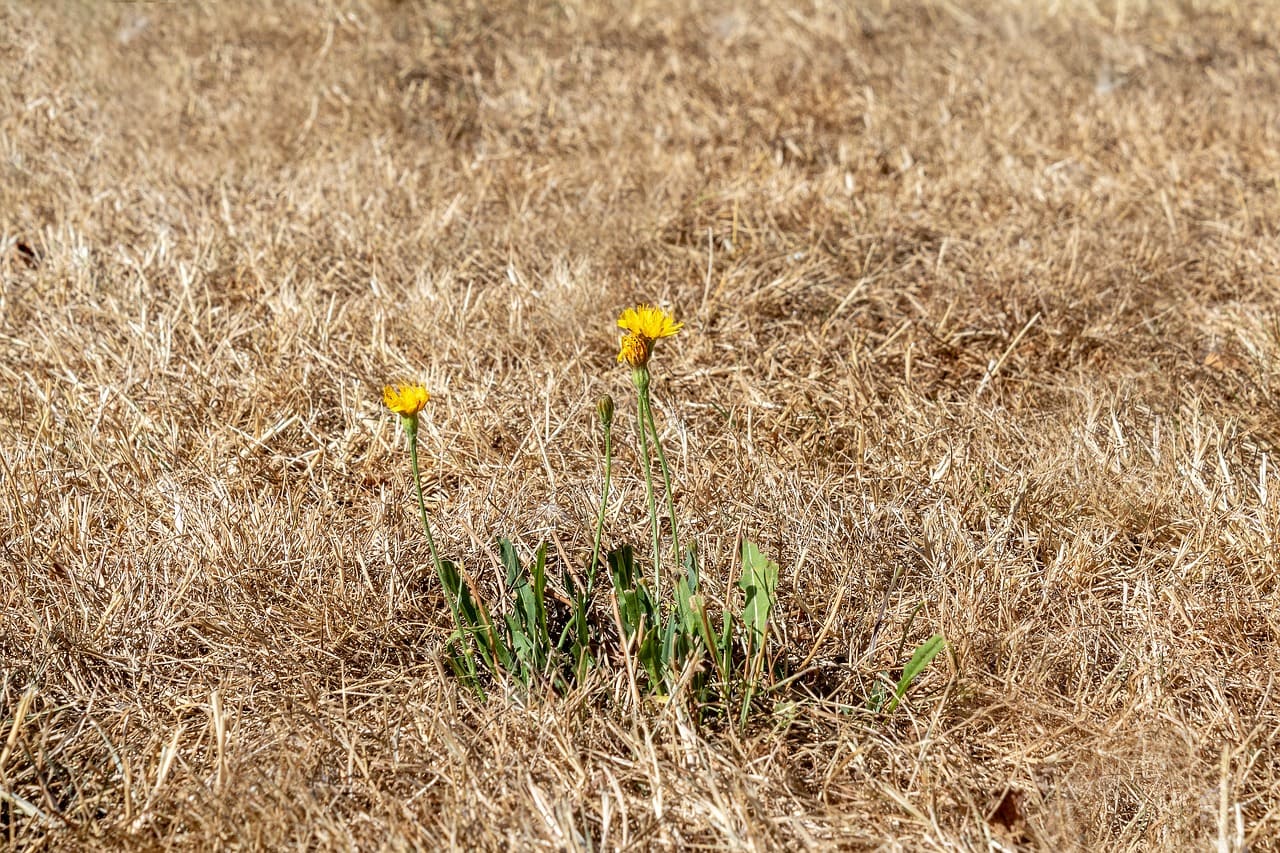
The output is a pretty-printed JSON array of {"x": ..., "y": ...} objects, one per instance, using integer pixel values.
[{"x": 604, "y": 408}]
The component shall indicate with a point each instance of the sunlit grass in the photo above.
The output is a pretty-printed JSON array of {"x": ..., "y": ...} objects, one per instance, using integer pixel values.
[{"x": 979, "y": 341}]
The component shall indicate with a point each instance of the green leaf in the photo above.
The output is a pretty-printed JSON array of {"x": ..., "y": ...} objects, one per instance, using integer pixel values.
[
  {"x": 691, "y": 566},
  {"x": 539, "y": 573},
  {"x": 639, "y": 614},
  {"x": 650, "y": 654},
  {"x": 472, "y": 618},
  {"x": 511, "y": 560},
  {"x": 575, "y": 639},
  {"x": 622, "y": 567},
  {"x": 726, "y": 641},
  {"x": 759, "y": 584},
  {"x": 635, "y": 604},
  {"x": 924, "y": 654},
  {"x": 688, "y": 604},
  {"x": 527, "y": 622}
]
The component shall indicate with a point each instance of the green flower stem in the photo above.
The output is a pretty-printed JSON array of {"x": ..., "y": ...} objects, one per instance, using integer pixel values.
[
  {"x": 647, "y": 409},
  {"x": 604, "y": 503},
  {"x": 411, "y": 428},
  {"x": 640, "y": 377}
]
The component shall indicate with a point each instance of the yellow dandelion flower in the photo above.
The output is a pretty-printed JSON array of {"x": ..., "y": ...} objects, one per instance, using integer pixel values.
[
  {"x": 644, "y": 324},
  {"x": 649, "y": 322},
  {"x": 405, "y": 400}
]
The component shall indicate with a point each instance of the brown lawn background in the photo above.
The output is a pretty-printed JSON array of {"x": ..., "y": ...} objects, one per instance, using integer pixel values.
[{"x": 981, "y": 319}]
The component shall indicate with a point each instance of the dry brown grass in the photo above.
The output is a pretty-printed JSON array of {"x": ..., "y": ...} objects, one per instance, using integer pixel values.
[{"x": 984, "y": 296}]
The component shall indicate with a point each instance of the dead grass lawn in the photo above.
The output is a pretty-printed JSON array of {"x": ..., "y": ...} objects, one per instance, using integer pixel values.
[{"x": 982, "y": 318}]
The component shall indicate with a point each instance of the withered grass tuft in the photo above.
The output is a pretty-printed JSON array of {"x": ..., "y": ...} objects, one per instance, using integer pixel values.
[{"x": 986, "y": 335}]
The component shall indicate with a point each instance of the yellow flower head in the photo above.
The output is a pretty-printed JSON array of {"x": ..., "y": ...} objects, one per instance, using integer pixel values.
[
  {"x": 644, "y": 324},
  {"x": 649, "y": 322},
  {"x": 405, "y": 400}
]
